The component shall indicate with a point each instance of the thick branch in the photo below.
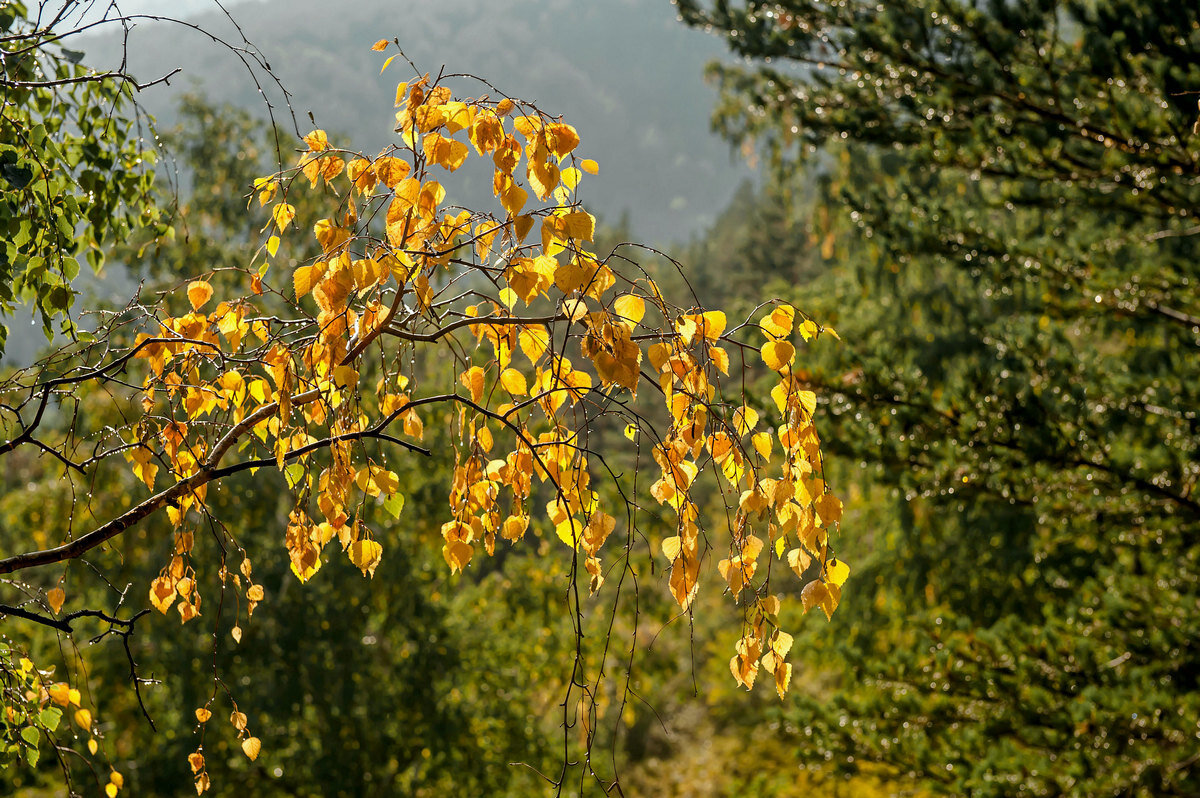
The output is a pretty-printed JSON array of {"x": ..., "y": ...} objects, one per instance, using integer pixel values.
[{"x": 208, "y": 472}]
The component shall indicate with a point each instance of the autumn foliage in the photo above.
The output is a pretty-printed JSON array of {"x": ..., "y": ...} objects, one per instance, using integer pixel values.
[{"x": 310, "y": 368}]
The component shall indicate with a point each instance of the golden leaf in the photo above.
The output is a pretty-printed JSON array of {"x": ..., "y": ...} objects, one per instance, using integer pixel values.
[
  {"x": 162, "y": 594},
  {"x": 55, "y": 598},
  {"x": 836, "y": 571},
  {"x": 814, "y": 593},
  {"x": 589, "y": 166},
  {"x": 238, "y": 719},
  {"x": 283, "y": 215},
  {"x": 251, "y": 746},
  {"x": 720, "y": 359},
  {"x": 630, "y": 308},
  {"x": 83, "y": 718},
  {"x": 712, "y": 324},
  {"x": 380, "y": 45},
  {"x": 798, "y": 560},
  {"x": 779, "y": 323},
  {"x": 534, "y": 341},
  {"x": 457, "y": 554},
  {"x": 391, "y": 171},
  {"x": 366, "y": 554},
  {"x": 317, "y": 141},
  {"x": 472, "y": 380},
  {"x": 203, "y": 715},
  {"x": 199, "y": 292},
  {"x": 778, "y": 355},
  {"x": 783, "y": 678},
  {"x": 514, "y": 382},
  {"x": 745, "y": 419}
]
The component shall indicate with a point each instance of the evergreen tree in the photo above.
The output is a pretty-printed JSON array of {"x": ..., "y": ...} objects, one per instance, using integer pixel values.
[{"x": 1016, "y": 187}]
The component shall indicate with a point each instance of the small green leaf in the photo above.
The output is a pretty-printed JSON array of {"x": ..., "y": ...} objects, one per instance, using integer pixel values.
[
  {"x": 50, "y": 717},
  {"x": 294, "y": 473},
  {"x": 395, "y": 505},
  {"x": 31, "y": 735}
]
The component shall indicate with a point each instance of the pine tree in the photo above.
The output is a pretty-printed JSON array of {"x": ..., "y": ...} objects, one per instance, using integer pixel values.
[{"x": 1017, "y": 189}]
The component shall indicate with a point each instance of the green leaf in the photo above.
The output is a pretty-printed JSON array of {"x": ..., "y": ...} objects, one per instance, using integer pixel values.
[
  {"x": 31, "y": 735},
  {"x": 395, "y": 505},
  {"x": 50, "y": 717},
  {"x": 294, "y": 473}
]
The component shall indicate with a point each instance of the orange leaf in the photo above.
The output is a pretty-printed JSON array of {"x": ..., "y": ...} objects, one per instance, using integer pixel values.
[{"x": 198, "y": 293}]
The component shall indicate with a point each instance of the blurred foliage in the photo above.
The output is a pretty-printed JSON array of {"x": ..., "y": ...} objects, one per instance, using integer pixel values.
[{"x": 1006, "y": 210}]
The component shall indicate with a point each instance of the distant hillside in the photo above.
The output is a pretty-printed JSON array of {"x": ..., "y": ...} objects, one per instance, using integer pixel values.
[{"x": 625, "y": 72}]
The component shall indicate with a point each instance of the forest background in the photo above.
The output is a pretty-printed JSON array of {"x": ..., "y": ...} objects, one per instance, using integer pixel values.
[{"x": 1003, "y": 231}]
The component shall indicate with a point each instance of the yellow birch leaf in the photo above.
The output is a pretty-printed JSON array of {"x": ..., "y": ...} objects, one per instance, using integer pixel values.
[
  {"x": 589, "y": 166},
  {"x": 575, "y": 309},
  {"x": 778, "y": 355},
  {"x": 533, "y": 342},
  {"x": 303, "y": 280},
  {"x": 203, "y": 715},
  {"x": 570, "y": 178},
  {"x": 83, "y": 718},
  {"x": 814, "y": 593},
  {"x": 457, "y": 554},
  {"x": 366, "y": 554},
  {"x": 630, "y": 308},
  {"x": 514, "y": 382},
  {"x": 836, "y": 571},
  {"x": 833, "y": 595},
  {"x": 779, "y": 323},
  {"x": 283, "y": 215},
  {"x": 199, "y": 292},
  {"x": 798, "y": 560},
  {"x": 55, "y": 599},
  {"x": 745, "y": 419},
  {"x": 714, "y": 323},
  {"x": 513, "y": 199},
  {"x": 386, "y": 64},
  {"x": 783, "y": 678},
  {"x": 252, "y": 745},
  {"x": 720, "y": 359},
  {"x": 272, "y": 245},
  {"x": 472, "y": 380},
  {"x": 762, "y": 443},
  {"x": 521, "y": 226},
  {"x": 380, "y": 45}
]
